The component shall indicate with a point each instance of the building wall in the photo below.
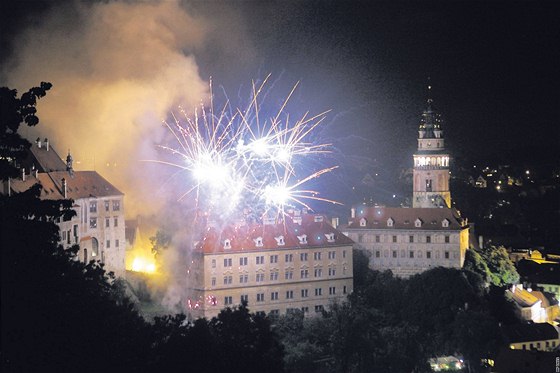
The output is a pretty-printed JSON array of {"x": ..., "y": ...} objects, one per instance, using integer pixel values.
[
  {"x": 543, "y": 345},
  {"x": 271, "y": 280},
  {"x": 414, "y": 251}
]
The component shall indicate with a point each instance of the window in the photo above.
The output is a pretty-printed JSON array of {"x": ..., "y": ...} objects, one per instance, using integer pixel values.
[
  {"x": 428, "y": 239},
  {"x": 274, "y": 312},
  {"x": 377, "y": 254},
  {"x": 360, "y": 238},
  {"x": 390, "y": 222},
  {"x": 394, "y": 253},
  {"x": 93, "y": 206},
  {"x": 411, "y": 254},
  {"x": 332, "y": 271},
  {"x": 304, "y": 293},
  {"x": 213, "y": 263},
  {"x": 279, "y": 240},
  {"x": 227, "y": 262},
  {"x": 411, "y": 239},
  {"x": 290, "y": 294},
  {"x": 244, "y": 298},
  {"x": 106, "y": 205},
  {"x": 344, "y": 289},
  {"x": 446, "y": 239},
  {"x": 260, "y": 297},
  {"x": 260, "y": 277},
  {"x": 93, "y": 223},
  {"x": 344, "y": 253},
  {"x": 332, "y": 255},
  {"x": 377, "y": 238},
  {"x": 64, "y": 236},
  {"x": 107, "y": 223},
  {"x": 108, "y": 244},
  {"x": 428, "y": 255},
  {"x": 243, "y": 261},
  {"x": 302, "y": 239},
  {"x": 274, "y": 295},
  {"x": 228, "y": 300},
  {"x": 115, "y": 221},
  {"x": 319, "y": 308},
  {"x": 227, "y": 280},
  {"x": 303, "y": 257},
  {"x": 273, "y": 259},
  {"x": 305, "y": 309},
  {"x": 304, "y": 273},
  {"x": 258, "y": 241},
  {"x": 260, "y": 259},
  {"x": 274, "y": 276},
  {"x": 213, "y": 281},
  {"x": 394, "y": 238},
  {"x": 447, "y": 255},
  {"x": 116, "y": 205},
  {"x": 288, "y": 275},
  {"x": 227, "y": 244},
  {"x": 318, "y": 292},
  {"x": 317, "y": 256},
  {"x": 68, "y": 240},
  {"x": 243, "y": 279},
  {"x": 332, "y": 290},
  {"x": 318, "y": 272},
  {"x": 289, "y": 258}
]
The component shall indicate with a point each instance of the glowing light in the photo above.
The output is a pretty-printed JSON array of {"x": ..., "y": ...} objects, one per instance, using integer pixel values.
[
  {"x": 140, "y": 264},
  {"x": 235, "y": 160}
]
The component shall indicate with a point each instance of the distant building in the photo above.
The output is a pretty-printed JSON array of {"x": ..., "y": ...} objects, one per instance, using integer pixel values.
[
  {"x": 529, "y": 304},
  {"x": 408, "y": 241},
  {"x": 298, "y": 263},
  {"x": 531, "y": 336},
  {"x": 99, "y": 226}
]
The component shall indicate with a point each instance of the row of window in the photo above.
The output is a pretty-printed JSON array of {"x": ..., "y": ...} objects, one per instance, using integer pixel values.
[
  {"x": 116, "y": 206},
  {"x": 411, "y": 254},
  {"x": 93, "y": 222},
  {"x": 275, "y": 295},
  {"x": 548, "y": 344},
  {"x": 395, "y": 239},
  {"x": 273, "y": 259},
  {"x": 288, "y": 275}
]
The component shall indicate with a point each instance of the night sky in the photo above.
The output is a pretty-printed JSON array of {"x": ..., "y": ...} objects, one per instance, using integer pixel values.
[{"x": 494, "y": 68}]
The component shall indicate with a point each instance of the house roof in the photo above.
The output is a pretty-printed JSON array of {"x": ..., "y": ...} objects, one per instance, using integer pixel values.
[
  {"x": 44, "y": 158},
  {"x": 304, "y": 231},
  {"x": 79, "y": 184},
  {"x": 404, "y": 218},
  {"x": 529, "y": 332},
  {"x": 523, "y": 297}
]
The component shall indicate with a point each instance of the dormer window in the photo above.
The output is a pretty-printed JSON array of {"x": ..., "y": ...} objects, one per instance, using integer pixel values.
[
  {"x": 390, "y": 222},
  {"x": 258, "y": 241},
  {"x": 445, "y": 223},
  {"x": 302, "y": 239},
  {"x": 227, "y": 244},
  {"x": 280, "y": 240},
  {"x": 363, "y": 222},
  {"x": 418, "y": 223},
  {"x": 330, "y": 237},
  {"x": 318, "y": 219}
]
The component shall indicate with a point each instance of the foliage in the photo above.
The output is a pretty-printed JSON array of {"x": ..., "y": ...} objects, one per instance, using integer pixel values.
[
  {"x": 15, "y": 111},
  {"x": 502, "y": 270},
  {"x": 160, "y": 241}
]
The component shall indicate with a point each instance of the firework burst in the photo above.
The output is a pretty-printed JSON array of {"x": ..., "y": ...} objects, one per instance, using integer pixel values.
[{"x": 238, "y": 161}]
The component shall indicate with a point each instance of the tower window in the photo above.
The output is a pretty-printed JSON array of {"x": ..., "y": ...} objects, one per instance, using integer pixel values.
[{"x": 428, "y": 185}]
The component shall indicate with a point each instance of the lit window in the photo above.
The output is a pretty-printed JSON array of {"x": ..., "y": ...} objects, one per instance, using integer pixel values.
[
  {"x": 116, "y": 205},
  {"x": 93, "y": 223}
]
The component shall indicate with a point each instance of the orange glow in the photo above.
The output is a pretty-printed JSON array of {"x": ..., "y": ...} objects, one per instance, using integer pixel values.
[{"x": 142, "y": 264}]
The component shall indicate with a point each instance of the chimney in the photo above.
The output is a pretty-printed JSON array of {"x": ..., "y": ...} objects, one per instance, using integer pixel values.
[
  {"x": 23, "y": 174},
  {"x": 64, "y": 188},
  {"x": 334, "y": 222},
  {"x": 353, "y": 212},
  {"x": 47, "y": 144},
  {"x": 38, "y": 142}
]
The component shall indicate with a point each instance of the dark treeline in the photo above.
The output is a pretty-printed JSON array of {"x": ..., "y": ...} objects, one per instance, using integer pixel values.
[{"x": 59, "y": 314}]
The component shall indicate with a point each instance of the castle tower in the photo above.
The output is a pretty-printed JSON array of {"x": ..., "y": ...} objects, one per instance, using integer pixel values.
[{"x": 431, "y": 163}]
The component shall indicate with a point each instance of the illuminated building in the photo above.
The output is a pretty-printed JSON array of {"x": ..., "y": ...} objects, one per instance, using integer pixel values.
[
  {"x": 300, "y": 262},
  {"x": 98, "y": 226},
  {"x": 532, "y": 336},
  {"x": 408, "y": 241}
]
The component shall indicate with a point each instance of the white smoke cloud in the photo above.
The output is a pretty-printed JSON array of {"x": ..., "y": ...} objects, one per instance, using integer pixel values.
[{"x": 117, "y": 70}]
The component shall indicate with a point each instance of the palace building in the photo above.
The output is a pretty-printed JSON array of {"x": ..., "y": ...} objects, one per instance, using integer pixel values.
[
  {"x": 99, "y": 224},
  {"x": 297, "y": 262},
  {"x": 408, "y": 241}
]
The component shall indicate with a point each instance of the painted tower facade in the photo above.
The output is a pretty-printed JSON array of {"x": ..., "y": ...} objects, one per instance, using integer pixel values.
[{"x": 431, "y": 163}]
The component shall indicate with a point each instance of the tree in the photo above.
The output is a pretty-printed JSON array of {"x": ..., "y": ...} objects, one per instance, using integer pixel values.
[
  {"x": 160, "y": 242},
  {"x": 13, "y": 112},
  {"x": 502, "y": 270}
]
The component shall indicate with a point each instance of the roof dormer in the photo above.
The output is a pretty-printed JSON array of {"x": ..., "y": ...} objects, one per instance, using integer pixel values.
[
  {"x": 258, "y": 241},
  {"x": 390, "y": 222},
  {"x": 302, "y": 239},
  {"x": 227, "y": 244},
  {"x": 330, "y": 237},
  {"x": 445, "y": 223},
  {"x": 363, "y": 222},
  {"x": 418, "y": 223},
  {"x": 280, "y": 240}
]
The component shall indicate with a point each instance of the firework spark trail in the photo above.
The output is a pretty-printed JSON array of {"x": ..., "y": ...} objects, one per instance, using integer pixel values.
[{"x": 238, "y": 161}]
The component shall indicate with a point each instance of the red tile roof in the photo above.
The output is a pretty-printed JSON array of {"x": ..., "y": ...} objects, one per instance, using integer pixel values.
[
  {"x": 405, "y": 218},
  {"x": 244, "y": 237}
]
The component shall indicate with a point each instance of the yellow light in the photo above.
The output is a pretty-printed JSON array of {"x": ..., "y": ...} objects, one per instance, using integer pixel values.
[{"x": 143, "y": 265}]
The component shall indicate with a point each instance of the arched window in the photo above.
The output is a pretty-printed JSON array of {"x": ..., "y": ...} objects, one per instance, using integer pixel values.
[
  {"x": 85, "y": 256},
  {"x": 94, "y": 247}
]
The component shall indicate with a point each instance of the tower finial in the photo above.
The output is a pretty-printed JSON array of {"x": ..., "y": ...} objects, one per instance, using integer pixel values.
[{"x": 429, "y": 92}]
